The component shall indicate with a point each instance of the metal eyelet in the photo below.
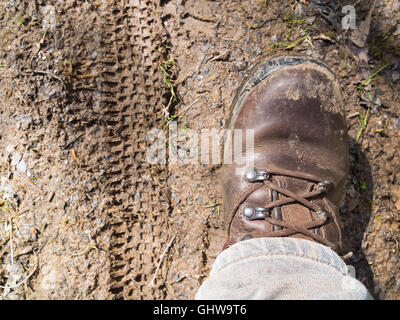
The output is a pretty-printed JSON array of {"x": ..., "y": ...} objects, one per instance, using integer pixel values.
[
  {"x": 325, "y": 186},
  {"x": 255, "y": 213},
  {"x": 254, "y": 175}
]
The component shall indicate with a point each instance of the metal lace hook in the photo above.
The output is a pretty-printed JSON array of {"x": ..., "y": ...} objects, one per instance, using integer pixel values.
[
  {"x": 255, "y": 213},
  {"x": 254, "y": 175}
]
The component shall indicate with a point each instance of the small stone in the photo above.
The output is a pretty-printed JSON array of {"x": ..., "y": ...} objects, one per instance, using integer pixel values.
[
  {"x": 22, "y": 166},
  {"x": 52, "y": 93},
  {"x": 50, "y": 196},
  {"x": 175, "y": 198},
  {"x": 9, "y": 148},
  {"x": 395, "y": 76},
  {"x": 396, "y": 123},
  {"x": 199, "y": 200},
  {"x": 16, "y": 158},
  {"x": 49, "y": 280}
]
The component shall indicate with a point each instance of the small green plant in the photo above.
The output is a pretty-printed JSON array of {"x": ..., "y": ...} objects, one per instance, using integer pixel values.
[
  {"x": 371, "y": 78},
  {"x": 172, "y": 117},
  {"x": 363, "y": 186},
  {"x": 382, "y": 45},
  {"x": 4, "y": 205},
  {"x": 44, "y": 225},
  {"x": 291, "y": 21},
  {"x": 20, "y": 21},
  {"x": 214, "y": 205},
  {"x": 363, "y": 123},
  {"x": 166, "y": 68},
  {"x": 292, "y": 44}
]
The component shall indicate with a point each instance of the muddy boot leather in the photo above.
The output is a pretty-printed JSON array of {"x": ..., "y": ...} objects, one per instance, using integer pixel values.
[{"x": 294, "y": 104}]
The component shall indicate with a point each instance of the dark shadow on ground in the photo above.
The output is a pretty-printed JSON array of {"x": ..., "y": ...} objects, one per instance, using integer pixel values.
[{"x": 356, "y": 213}]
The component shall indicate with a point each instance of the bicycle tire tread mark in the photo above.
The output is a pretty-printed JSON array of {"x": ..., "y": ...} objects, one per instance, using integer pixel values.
[{"x": 133, "y": 96}]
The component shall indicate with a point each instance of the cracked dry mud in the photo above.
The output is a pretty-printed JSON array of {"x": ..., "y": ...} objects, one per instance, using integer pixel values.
[{"x": 81, "y": 84}]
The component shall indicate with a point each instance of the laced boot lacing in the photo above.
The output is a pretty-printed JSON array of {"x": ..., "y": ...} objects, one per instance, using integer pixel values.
[{"x": 260, "y": 178}]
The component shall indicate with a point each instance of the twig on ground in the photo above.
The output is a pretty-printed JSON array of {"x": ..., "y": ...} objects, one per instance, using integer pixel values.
[
  {"x": 50, "y": 75},
  {"x": 181, "y": 278},
  {"x": 73, "y": 141},
  {"x": 19, "y": 94},
  {"x": 160, "y": 261},
  {"x": 11, "y": 244},
  {"x": 26, "y": 180},
  {"x": 340, "y": 46},
  {"x": 26, "y": 279},
  {"x": 203, "y": 19},
  {"x": 182, "y": 112}
]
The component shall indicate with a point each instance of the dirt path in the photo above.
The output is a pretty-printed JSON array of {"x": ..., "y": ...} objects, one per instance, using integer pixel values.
[{"x": 82, "y": 215}]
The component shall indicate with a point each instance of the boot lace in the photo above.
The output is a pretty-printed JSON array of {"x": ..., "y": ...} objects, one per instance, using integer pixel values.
[{"x": 261, "y": 178}]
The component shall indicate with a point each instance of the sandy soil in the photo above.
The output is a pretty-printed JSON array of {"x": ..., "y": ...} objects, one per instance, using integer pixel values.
[{"x": 83, "y": 216}]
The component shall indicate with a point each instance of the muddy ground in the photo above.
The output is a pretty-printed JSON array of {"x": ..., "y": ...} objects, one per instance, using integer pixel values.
[{"x": 83, "y": 216}]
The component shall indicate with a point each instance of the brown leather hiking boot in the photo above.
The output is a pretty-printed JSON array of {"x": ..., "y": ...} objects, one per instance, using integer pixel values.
[{"x": 295, "y": 107}]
